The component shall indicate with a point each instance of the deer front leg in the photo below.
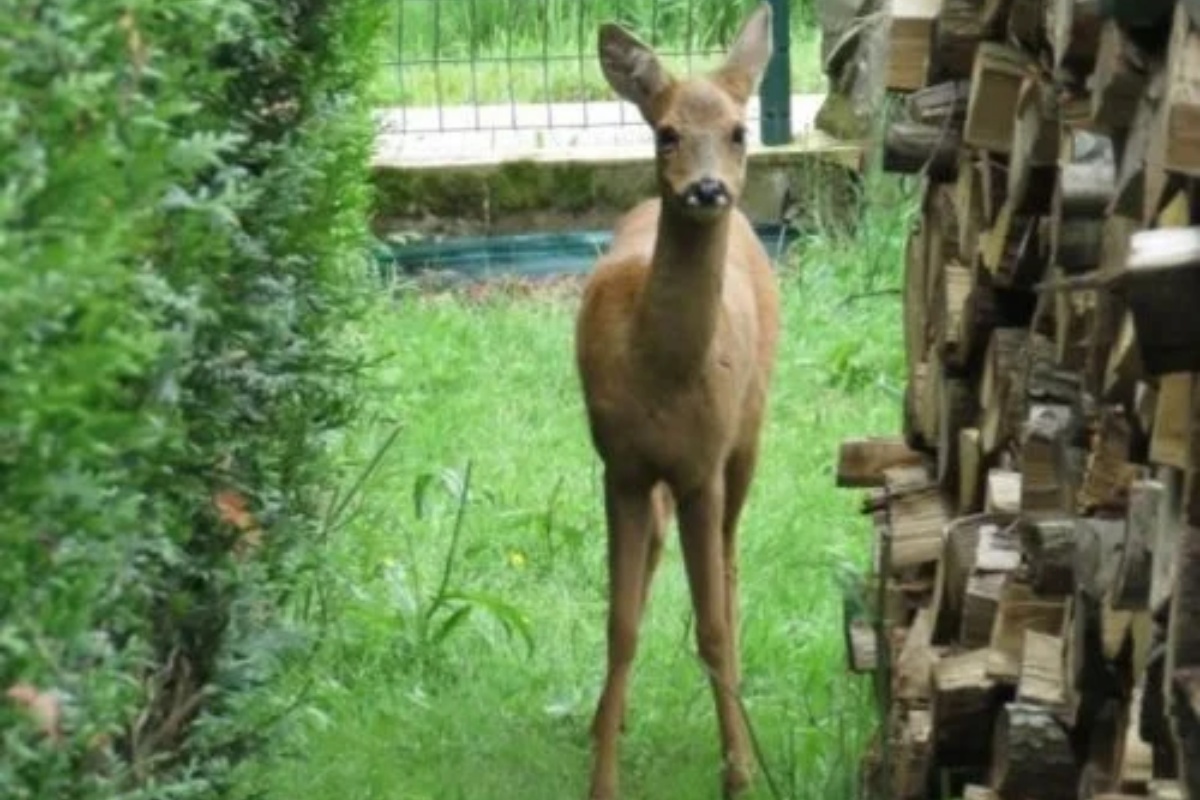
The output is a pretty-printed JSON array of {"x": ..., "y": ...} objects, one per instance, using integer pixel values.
[
  {"x": 700, "y": 521},
  {"x": 662, "y": 506},
  {"x": 629, "y": 515},
  {"x": 739, "y": 472}
]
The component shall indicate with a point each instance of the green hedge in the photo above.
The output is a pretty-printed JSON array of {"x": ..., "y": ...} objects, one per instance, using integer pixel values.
[{"x": 182, "y": 211}]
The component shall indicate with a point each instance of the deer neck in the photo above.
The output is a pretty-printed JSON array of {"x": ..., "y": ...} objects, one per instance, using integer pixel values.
[{"x": 680, "y": 307}]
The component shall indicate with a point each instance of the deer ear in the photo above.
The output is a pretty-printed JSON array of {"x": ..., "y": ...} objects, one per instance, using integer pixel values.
[
  {"x": 748, "y": 56},
  {"x": 631, "y": 68}
]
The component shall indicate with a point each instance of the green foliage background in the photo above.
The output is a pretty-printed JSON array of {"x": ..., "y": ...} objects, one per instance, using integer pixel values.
[{"x": 182, "y": 201}]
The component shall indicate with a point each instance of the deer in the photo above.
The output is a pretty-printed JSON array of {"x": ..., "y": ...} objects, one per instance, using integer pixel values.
[{"x": 675, "y": 341}]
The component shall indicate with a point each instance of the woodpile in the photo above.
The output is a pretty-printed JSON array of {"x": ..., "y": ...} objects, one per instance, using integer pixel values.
[{"x": 1032, "y": 617}]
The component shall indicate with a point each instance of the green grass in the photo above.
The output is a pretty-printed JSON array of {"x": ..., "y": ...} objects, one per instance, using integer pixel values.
[
  {"x": 495, "y": 51},
  {"x": 386, "y": 709}
]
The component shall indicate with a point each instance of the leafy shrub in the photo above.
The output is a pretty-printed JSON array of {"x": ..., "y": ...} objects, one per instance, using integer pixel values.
[{"x": 180, "y": 219}]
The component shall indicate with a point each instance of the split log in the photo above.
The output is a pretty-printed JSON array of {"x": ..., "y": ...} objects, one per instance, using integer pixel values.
[
  {"x": 1086, "y": 184},
  {"x": 1019, "y": 610},
  {"x": 1130, "y": 195},
  {"x": 950, "y": 306},
  {"x": 929, "y": 400},
  {"x": 1047, "y": 381},
  {"x": 1118, "y": 79},
  {"x": 917, "y": 515},
  {"x": 1048, "y": 484},
  {"x": 959, "y": 561},
  {"x": 1169, "y": 440},
  {"x": 1026, "y": 23},
  {"x": 941, "y": 103},
  {"x": 860, "y": 642},
  {"x": 997, "y": 556},
  {"x": 914, "y": 754},
  {"x": 912, "y": 680},
  {"x": 1009, "y": 249},
  {"x": 978, "y": 195},
  {"x": 1165, "y": 544},
  {"x": 1074, "y": 320},
  {"x": 1162, "y": 275},
  {"x": 1185, "y": 696},
  {"x": 993, "y": 183},
  {"x": 909, "y": 38},
  {"x": 863, "y": 462},
  {"x": 995, "y": 85},
  {"x": 1003, "y": 491},
  {"x": 1131, "y": 587},
  {"x": 1183, "y": 637},
  {"x": 957, "y": 409},
  {"x": 1031, "y": 755},
  {"x": 971, "y": 792},
  {"x": 970, "y": 471},
  {"x": 1108, "y": 475},
  {"x": 999, "y": 402},
  {"x": 1166, "y": 790},
  {"x": 1178, "y": 132},
  {"x": 979, "y": 607},
  {"x": 916, "y": 311},
  {"x": 1033, "y": 162},
  {"x": 957, "y": 32},
  {"x": 1123, "y": 366},
  {"x": 1098, "y": 544},
  {"x": 913, "y": 147},
  {"x": 1135, "y": 766},
  {"x": 980, "y": 315},
  {"x": 1111, "y": 374},
  {"x": 964, "y": 698},
  {"x": 1073, "y": 28},
  {"x": 1049, "y": 547},
  {"x": 1041, "y": 681},
  {"x": 913, "y": 419}
]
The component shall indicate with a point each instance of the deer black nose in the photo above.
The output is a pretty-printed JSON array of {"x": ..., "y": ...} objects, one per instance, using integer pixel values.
[{"x": 707, "y": 192}]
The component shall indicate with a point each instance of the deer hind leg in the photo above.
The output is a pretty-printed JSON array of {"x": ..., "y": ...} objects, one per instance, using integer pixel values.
[
  {"x": 701, "y": 516},
  {"x": 629, "y": 514},
  {"x": 662, "y": 508}
]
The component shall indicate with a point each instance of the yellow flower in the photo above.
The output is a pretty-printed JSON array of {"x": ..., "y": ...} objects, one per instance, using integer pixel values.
[{"x": 516, "y": 559}]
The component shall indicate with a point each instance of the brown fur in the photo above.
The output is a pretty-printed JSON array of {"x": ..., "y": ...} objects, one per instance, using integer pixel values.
[{"x": 675, "y": 341}]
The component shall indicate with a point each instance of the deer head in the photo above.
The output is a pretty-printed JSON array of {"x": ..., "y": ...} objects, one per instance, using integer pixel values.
[{"x": 699, "y": 121}]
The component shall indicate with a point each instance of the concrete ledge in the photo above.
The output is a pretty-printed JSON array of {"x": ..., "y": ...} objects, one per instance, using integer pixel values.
[{"x": 466, "y": 181}]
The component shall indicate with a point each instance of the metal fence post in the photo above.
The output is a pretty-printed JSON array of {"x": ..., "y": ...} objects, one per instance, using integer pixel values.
[{"x": 775, "y": 93}]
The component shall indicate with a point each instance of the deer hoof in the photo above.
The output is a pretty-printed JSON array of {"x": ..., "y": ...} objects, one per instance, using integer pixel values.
[{"x": 737, "y": 781}]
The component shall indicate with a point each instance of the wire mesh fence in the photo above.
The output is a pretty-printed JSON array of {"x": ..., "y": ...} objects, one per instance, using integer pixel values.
[{"x": 461, "y": 65}]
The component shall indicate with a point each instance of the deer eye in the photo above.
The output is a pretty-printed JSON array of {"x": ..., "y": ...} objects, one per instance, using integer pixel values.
[
  {"x": 738, "y": 137},
  {"x": 667, "y": 138}
]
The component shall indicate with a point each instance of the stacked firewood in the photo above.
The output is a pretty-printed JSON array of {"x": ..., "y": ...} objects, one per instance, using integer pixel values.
[{"x": 1033, "y": 612}]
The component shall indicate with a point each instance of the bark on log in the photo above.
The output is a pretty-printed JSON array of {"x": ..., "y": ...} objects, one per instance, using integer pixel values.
[
  {"x": 942, "y": 102},
  {"x": 1049, "y": 547},
  {"x": 1033, "y": 162},
  {"x": 1031, "y": 755},
  {"x": 912, "y": 147},
  {"x": 1131, "y": 588}
]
